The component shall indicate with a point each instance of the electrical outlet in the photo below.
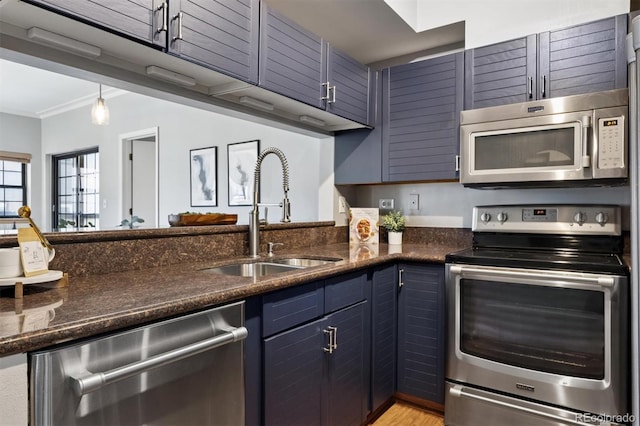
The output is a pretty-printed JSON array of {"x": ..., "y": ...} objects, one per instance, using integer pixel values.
[
  {"x": 414, "y": 202},
  {"x": 342, "y": 205},
  {"x": 386, "y": 203}
]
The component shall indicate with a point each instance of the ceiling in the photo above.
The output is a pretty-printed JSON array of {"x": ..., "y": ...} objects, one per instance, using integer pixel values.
[{"x": 368, "y": 30}]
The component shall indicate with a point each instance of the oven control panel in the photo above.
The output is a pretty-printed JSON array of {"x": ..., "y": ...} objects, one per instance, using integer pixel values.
[{"x": 551, "y": 219}]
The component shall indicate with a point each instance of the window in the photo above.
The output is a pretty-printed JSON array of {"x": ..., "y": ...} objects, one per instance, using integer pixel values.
[
  {"x": 13, "y": 182},
  {"x": 76, "y": 190}
]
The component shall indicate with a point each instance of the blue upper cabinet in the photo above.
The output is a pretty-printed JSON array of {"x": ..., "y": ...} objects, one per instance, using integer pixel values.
[
  {"x": 141, "y": 19},
  {"x": 502, "y": 73},
  {"x": 302, "y": 66},
  {"x": 218, "y": 34},
  {"x": 581, "y": 59},
  {"x": 348, "y": 87},
  {"x": 421, "y": 118},
  {"x": 292, "y": 59}
]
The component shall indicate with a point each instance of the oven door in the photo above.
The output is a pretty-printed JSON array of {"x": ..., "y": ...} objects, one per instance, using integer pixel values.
[
  {"x": 545, "y": 148},
  {"x": 552, "y": 336}
]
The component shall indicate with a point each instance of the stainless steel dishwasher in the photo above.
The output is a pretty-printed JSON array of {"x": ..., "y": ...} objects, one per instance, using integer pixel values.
[{"x": 183, "y": 371}]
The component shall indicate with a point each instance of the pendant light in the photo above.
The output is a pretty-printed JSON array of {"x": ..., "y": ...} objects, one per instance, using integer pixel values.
[{"x": 99, "y": 111}]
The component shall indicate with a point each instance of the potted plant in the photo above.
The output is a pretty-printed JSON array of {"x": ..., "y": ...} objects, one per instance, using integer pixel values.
[{"x": 394, "y": 222}]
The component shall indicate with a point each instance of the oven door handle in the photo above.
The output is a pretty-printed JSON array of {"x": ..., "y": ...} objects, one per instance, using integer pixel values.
[
  {"x": 458, "y": 391},
  {"x": 600, "y": 280}
]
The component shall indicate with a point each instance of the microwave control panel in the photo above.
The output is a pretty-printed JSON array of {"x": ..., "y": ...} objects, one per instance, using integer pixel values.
[{"x": 611, "y": 142}]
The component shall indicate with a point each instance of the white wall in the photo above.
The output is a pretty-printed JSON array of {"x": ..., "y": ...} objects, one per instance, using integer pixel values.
[
  {"x": 182, "y": 128},
  {"x": 491, "y": 21},
  {"x": 22, "y": 134}
]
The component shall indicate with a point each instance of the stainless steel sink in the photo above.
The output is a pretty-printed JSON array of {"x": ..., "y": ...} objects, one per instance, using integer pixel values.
[
  {"x": 253, "y": 269},
  {"x": 304, "y": 262},
  {"x": 275, "y": 266}
]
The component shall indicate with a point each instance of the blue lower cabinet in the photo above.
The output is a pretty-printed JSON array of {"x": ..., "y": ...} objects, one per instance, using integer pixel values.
[
  {"x": 293, "y": 376},
  {"x": 421, "y": 328},
  {"x": 315, "y": 374},
  {"x": 384, "y": 302}
]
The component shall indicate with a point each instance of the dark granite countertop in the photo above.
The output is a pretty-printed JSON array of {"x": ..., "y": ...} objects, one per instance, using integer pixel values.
[{"x": 97, "y": 304}]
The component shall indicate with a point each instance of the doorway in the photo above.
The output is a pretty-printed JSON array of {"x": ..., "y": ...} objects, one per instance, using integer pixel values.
[{"x": 140, "y": 177}]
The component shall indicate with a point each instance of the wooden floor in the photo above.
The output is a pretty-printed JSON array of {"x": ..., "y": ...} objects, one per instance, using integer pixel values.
[{"x": 400, "y": 414}]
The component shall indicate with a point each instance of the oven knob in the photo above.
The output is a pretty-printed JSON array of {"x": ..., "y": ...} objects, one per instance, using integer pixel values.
[
  {"x": 485, "y": 217},
  {"x": 579, "y": 218},
  {"x": 602, "y": 218},
  {"x": 502, "y": 217}
]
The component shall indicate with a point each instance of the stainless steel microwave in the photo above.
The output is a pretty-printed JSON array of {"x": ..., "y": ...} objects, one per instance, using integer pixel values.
[{"x": 567, "y": 141}]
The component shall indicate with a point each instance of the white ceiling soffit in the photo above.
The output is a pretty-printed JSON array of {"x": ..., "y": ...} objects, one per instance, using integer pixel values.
[
  {"x": 36, "y": 93},
  {"x": 491, "y": 21}
]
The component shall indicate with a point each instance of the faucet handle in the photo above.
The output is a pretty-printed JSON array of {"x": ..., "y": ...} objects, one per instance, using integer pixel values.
[
  {"x": 266, "y": 217},
  {"x": 270, "y": 247}
]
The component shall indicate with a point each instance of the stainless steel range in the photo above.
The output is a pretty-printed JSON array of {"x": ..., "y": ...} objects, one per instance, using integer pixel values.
[{"x": 538, "y": 319}]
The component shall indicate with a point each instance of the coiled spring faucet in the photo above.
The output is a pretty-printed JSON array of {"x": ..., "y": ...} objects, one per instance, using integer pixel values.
[{"x": 254, "y": 216}]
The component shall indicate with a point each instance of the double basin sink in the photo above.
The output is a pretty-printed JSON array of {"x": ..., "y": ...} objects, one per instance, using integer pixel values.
[{"x": 275, "y": 266}]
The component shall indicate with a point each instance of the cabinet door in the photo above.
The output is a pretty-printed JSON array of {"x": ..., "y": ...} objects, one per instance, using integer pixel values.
[
  {"x": 383, "y": 334},
  {"x": 350, "y": 82},
  {"x": 294, "y": 365},
  {"x": 218, "y": 34},
  {"x": 292, "y": 59},
  {"x": 583, "y": 59},
  {"x": 358, "y": 153},
  {"x": 501, "y": 73},
  {"x": 138, "y": 19},
  {"x": 421, "y": 346},
  {"x": 421, "y": 115},
  {"x": 346, "y": 394}
]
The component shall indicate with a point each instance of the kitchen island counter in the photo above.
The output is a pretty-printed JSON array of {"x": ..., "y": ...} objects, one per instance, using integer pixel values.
[{"x": 96, "y": 304}]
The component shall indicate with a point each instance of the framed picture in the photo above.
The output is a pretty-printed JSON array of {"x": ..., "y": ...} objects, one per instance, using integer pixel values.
[
  {"x": 204, "y": 176},
  {"x": 241, "y": 162}
]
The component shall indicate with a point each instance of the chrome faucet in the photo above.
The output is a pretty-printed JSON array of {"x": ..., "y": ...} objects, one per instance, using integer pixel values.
[{"x": 254, "y": 215}]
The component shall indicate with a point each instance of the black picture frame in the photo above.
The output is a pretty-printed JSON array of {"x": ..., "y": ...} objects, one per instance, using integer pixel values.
[
  {"x": 241, "y": 161},
  {"x": 203, "y": 167}
]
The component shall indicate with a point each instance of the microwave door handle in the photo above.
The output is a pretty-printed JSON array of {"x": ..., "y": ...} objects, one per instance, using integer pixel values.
[{"x": 586, "y": 158}]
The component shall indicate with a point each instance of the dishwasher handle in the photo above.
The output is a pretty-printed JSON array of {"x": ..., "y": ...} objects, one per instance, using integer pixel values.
[{"x": 92, "y": 382}]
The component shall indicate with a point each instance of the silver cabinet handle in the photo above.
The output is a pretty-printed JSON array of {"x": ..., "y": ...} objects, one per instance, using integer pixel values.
[
  {"x": 599, "y": 280},
  {"x": 95, "y": 381},
  {"x": 333, "y": 95},
  {"x": 331, "y": 331},
  {"x": 400, "y": 283},
  {"x": 164, "y": 8},
  {"x": 458, "y": 391},
  {"x": 178, "y": 17},
  {"x": 530, "y": 87},
  {"x": 544, "y": 86},
  {"x": 457, "y": 163},
  {"x": 335, "y": 338},
  {"x": 327, "y": 89}
]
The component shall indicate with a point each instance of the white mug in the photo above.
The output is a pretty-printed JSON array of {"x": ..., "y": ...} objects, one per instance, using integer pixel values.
[{"x": 10, "y": 263}]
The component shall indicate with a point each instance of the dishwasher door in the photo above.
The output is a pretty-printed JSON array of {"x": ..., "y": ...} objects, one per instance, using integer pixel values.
[{"x": 183, "y": 371}]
